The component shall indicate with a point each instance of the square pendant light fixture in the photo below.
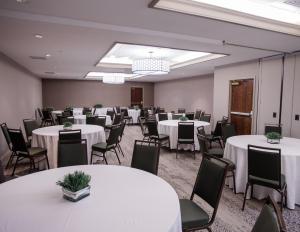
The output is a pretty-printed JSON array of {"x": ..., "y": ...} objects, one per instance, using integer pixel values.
[
  {"x": 151, "y": 60},
  {"x": 274, "y": 15}
]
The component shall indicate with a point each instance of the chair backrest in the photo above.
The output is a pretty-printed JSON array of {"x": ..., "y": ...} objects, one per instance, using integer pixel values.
[
  {"x": 218, "y": 129},
  {"x": 86, "y": 110},
  {"x": 162, "y": 116},
  {"x": 190, "y": 115},
  {"x": 74, "y": 135},
  {"x": 67, "y": 113},
  {"x": 91, "y": 120},
  {"x": 270, "y": 218},
  {"x": 118, "y": 109},
  {"x": 17, "y": 140},
  {"x": 114, "y": 135},
  {"x": 210, "y": 181},
  {"x": 201, "y": 130},
  {"x": 142, "y": 124},
  {"x": 47, "y": 114},
  {"x": 111, "y": 113},
  {"x": 202, "y": 143},
  {"x": 197, "y": 114},
  {"x": 40, "y": 113},
  {"x": 125, "y": 112},
  {"x": 62, "y": 119},
  {"x": 161, "y": 110},
  {"x": 181, "y": 110},
  {"x": 228, "y": 130},
  {"x": 273, "y": 128},
  {"x": 6, "y": 134},
  {"x": 205, "y": 117},
  {"x": 176, "y": 116},
  {"x": 100, "y": 121},
  {"x": 146, "y": 156},
  {"x": 265, "y": 163},
  {"x": 152, "y": 127},
  {"x": 123, "y": 124},
  {"x": 186, "y": 130},
  {"x": 29, "y": 126},
  {"x": 118, "y": 119},
  {"x": 72, "y": 153}
]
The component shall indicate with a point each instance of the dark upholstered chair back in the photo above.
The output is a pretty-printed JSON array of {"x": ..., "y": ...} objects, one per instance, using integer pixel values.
[
  {"x": 114, "y": 134},
  {"x": 146, "y": 156},
  {"x": 181, "y": 110},
  {"x": 47, "y": 114},
  {"x": 270, "y": 218},
  {"x": 228, "y": 130},
  {"x": 111, "y": 113},
  {"x": 29, "y": 126},
  {"x": 273, "y": 128},
  {"x": 205, "y": 117},
  {"x": 190, "y": 116},
  {"x": 152, "y": 127},
  {"x": 6, "y": 134},
  {"x": 202, "y": 143},
  {"x": 72, "y": 153},
  {"x": 264, "y": 164},
  {"x": 17, "y": 140},
  {"x": 210, "y": 180},
  {"x": 69, "y": 135},
  {"x": 100, "y": 121},
  {"x": 197, "y": 114},
  {"x": 91, "y": 120},
  {"x": 176, "y": 116},
  {"x": 186, "y": 130},
  {"x": 125, "y": 111},
  {"x": 117, "y": 119},
  {"x": 162, "y": 116},
  {"x": 63, "y": 119}
]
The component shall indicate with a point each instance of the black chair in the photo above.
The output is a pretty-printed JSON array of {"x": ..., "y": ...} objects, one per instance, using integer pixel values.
[
  {"x": 219, "y": 153},
  {"x": 190, "y": 115},
  {"x": 72, "y": 153},
  {"x": 100, "y": 121},
  {"x": 117, "y": 120},
  {"x": 200, "y": 130},
  {"x": 123, "y": 124},
  {"x": 269, "y": 219},
  {"x": 143, "y": 128},
  {"x": 23, "y": 152},
  {"x": 47, "y": 119},
  {"x": 146, "y": 156},
  {"x": 162, "y": 116},
  {"x": 264, "y": 169},
  {"x": 205, "y": 117},
  {"x": 127, "y": 118},
  {"x": 228, "y": 130},
  {"x": 86, "y": 110},
  {"x": 9, "y": 144},
  {"x": 216, "y": 135},
  {"x": 154, "y": 135},
  {"x": 67, "y": 113},
  {"x": 197, "y": 114},
  {"x": 186, "y": 136},
  {"x": 208, "y": 186},
  {"x": 110, "y": 113},
  {"x": 40, "y": 114},
  {"x": 161, "y": 110},
  {"x": 118, "y": 109},
  {"x": 181, "y": 111},
  {"x": 110, "y": 144},
  {"x": 73, "y": 135},
  {"x": 91, "y": 120},
  {"x": 176, "y": 116},
  {"x": 62, "y": 119},
  {"x": 29, "y": 126},
  {"x": 273, "y": 128}
]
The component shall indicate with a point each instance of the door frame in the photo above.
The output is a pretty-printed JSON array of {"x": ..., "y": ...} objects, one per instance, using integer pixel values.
[
  {"x": 142, "y": 87},
  {"x": 253, "y": 116}
]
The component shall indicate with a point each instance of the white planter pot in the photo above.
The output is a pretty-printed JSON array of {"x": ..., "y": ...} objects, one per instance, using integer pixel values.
[{"x": 76, "y": 196}]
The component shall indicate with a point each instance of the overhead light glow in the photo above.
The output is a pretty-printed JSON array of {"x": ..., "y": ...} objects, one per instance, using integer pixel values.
[
  {"x": 109, "y": 76},
  {"x": 113, "y": 80},
  {"x": 38, "y": 36}
]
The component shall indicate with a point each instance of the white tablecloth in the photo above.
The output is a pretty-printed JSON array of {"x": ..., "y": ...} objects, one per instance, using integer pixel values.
[
  {"x": 121, "y": 199},
  {"x": 81, "y": 119},
  {"x": 103, "y": 111},
  {"x": 134, "y": 114},
  {"x": 47, "y": 137},
  {"x": 170, "y": 127},
  {"x": 236, "y": 149},
  {"x": 77, "y": 111}
]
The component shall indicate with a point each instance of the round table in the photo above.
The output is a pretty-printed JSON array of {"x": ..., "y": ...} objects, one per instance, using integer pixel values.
[
  {"x": 170, "y": 127},
  {"x": 134, "y": 114},
  {"x": 236, "y": 149},
  {"x": 81, "y": 119},
  {"x": 47, "y": 137},
  {"x": 121, "y": 199}
]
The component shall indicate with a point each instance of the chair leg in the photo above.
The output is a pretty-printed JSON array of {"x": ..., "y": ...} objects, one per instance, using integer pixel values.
[
  {"x": 104, "y": 157},
  {"x": 10, "y": 160},
  {"x": 234, "y": 186},
  {"x": 177, "y": 151},
  {"x": 282, "y": 196},
  {"x": 194, "y": 151},
  {"x": 15, "y": 166},
  {"x": 247, "y": 186},
  {"x": 117, "y": 156},
  {"x": 47, "y": 160},
  {"x": 220, "y": 142},
  {"x": 120, "y": 149},
  {"x": 91, "y": 161},
  {"x": 209, "y": 229}
]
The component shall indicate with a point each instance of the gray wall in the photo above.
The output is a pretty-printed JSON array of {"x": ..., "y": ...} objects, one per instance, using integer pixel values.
[
  {"x": 20, "y": 95},
  {"x": 189, "y": 93},
  {"x": 77, "y": 93}
]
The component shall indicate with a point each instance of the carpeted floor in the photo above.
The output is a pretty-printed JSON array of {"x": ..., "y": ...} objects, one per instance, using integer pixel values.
[{"x": 181, "y": 174}]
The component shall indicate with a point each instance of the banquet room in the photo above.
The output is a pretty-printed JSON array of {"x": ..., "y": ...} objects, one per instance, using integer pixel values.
[{"x": 150, "y": 115}]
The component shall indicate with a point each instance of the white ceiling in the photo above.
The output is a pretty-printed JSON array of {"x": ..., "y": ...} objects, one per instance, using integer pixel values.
[{"x": 78, "y": 33}]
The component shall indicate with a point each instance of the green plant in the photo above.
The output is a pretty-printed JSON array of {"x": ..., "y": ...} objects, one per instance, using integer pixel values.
[
  {"x": 183, "y": 118},
  {"x": 89, "y": 114},
  {"x": 273, "y": 135},
  {"x": 75, "y": 181},
  {"x": 68, "y": 124},
  {"x": 98, "y": 106}
]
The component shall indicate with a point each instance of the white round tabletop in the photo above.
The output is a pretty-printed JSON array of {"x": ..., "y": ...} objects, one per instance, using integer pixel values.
[
  {"x": 57, "y": 111},
  {"x": 236, "y": 150},
  {"x": 121, "y": 199},
  {"x": 175, "y": 123}
]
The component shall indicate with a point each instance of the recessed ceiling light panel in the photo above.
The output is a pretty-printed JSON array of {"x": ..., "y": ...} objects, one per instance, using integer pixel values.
[{"x": 101, "y": 75}]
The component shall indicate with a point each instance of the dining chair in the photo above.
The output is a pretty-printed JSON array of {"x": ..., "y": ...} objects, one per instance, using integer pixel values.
[
  {"x": 100, "y": 121},
  {"x": 181, "y": 111},
  {"x": 228, "y": 130},
  {"x": 47, "y": 119},
  {"x": 13, "y": 155},
  {"x": 208, "y": 187},
  {"x": 176, "y": 116},
  {"x": 71, "y": 153},
  {"x": 145, "y": 133},
  {"x": 162, "y": 116},
  {"x": 110, "y": 144},
  {"x": 86, "y": 110},
  {"x": 63, "y": 119},
  {"x": 186, "y": 136},
  {"x": 270, "y": 218},
  {"x": 117, "y": 120},
  {"x": 190, "y": 115},
  {"x": 69, "y": 135},
  {"x": 264, "y": 169},
  {"x": 110, "y": 113},
  {"x": 123, "y": 124},
  {"x": 219, "y": 153},
  {"x": 216, "y": 135},
  {"x": 91, "y": 120},
  {"x": 146, "y": 156},
  {"x": 126, "y": 116},
  {"x": 67, "y": 113},
  {"x": 22, "y": 151},
  {"x": 197, "y": 114},
  {"x": 29, "y": 126},
  {"x": 154, "y": 135},
  {"x": 205, "y": 117},
  {"x": 273, "y": 128}
]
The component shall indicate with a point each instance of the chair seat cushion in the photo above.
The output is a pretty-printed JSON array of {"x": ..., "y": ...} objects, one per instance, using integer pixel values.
[
  {"x": 163, "y": 137},
  {"x": 35, "y": 151},
  {"x": 212, "y": 137},
  {"x": 192, "y": 215},
  {"x": 186, "y": 141},
  {"x": 101, "y": 147},
  {"x": 218, "y": 152},
  {"x": 267, "y": 182}
]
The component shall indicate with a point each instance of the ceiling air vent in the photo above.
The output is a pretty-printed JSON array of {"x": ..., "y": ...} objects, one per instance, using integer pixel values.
[
  {"x": 38, "y": 57},
  {"x": 295, "y": 3}
]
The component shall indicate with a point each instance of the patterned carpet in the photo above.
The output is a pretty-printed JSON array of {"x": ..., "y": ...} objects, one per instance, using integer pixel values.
[{"x": 181, "y": 174}]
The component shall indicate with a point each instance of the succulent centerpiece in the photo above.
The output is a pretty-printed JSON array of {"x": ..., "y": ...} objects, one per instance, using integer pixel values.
[
  {"x": 273, "y": 137},
  {"x": 183, "y": 118},
  {"x": 67, "y": 126},
  {"x": 75, "y": 186},
  {"x": 98, "y": 106}
]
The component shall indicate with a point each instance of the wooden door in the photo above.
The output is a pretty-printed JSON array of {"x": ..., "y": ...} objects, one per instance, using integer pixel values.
[
  {"x": 137, "y": 96},
  {"x": 241, "y": 105}
]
